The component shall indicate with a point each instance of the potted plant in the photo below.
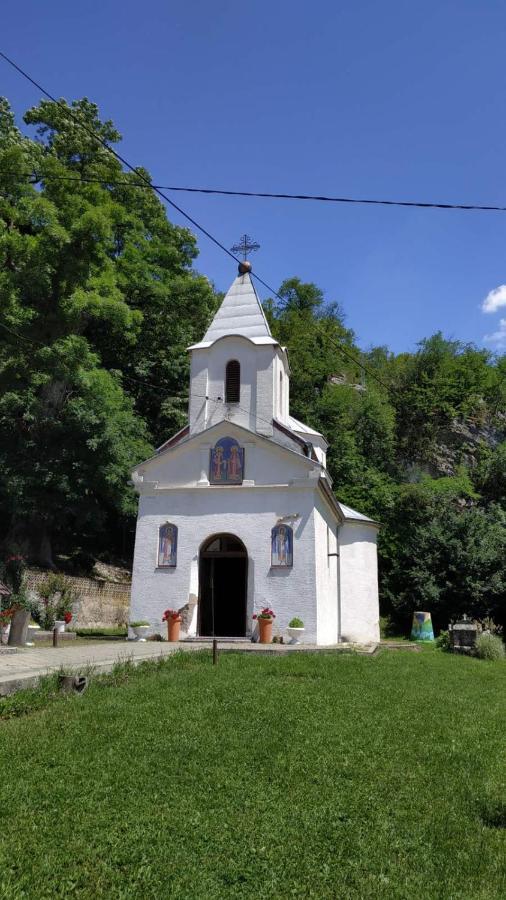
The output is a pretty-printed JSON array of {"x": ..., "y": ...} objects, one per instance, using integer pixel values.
[
  {"x": 265, "y": 618},
  {"x": 5, "y": 623},
  {"x": 140, "y": 629},
  {"x": 173, "y": 619},
  {"x": 295, "y": 630}
]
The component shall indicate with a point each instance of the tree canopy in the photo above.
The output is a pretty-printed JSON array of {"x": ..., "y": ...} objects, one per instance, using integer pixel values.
[{"x": 99, "y": 301}]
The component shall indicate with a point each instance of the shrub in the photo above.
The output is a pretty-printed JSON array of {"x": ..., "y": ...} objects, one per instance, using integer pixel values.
[
  {"x": 12, "y": 572},
  {"x": 443, "y": 640},
  {"x": 296, "y": 623},
  {"x": 488, "y": 625},
  {"x": 489, "y": 646},
  {"x": 57, "y": 594}
]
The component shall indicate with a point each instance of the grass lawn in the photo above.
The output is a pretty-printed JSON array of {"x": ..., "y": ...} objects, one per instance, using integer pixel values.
[{"x": 300, "y": 776}]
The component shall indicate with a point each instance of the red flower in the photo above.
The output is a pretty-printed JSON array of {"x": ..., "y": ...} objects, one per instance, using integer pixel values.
[
  {"x": 266, "y": 613},
  {"x": 67, "y": 617},
  {"x": 170, "y": 614}
]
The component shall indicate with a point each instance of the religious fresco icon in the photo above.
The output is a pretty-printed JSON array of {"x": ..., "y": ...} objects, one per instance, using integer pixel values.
[
  {"x": 281, "y": 546},
  {"x": 226, "y": 465},
  {"x": 167, "y": 546}
]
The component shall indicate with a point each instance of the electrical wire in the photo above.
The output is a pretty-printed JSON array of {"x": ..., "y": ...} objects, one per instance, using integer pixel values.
[
  {"x": 118, "y": 156},
  {"x": 201, "y": 228},
  {"x": 320, "y": 198}
]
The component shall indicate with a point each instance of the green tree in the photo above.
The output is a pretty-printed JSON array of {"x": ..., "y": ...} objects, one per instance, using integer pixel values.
[
  {"x": 98, "y": 299},
  {"x": 442, "y": 554}
]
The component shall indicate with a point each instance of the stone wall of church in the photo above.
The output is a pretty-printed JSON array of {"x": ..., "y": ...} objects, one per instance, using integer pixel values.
[
  {"x": 358, "y": 577},
  {"x": 247, "y": 513}
]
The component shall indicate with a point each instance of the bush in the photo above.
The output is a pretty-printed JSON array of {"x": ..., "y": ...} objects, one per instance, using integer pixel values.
[
  {"x": 443, "y": 640},
  {"x": 56, "y": 598},
  {"x": 296, "y": 623},
  {"x": 489, "y": 646},
  {"x": 488, "y": 626}
]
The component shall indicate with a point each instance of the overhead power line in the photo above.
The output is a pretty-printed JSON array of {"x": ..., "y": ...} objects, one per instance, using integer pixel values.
[
  {"x": 115, "y": 153},
  {"x": 321, "y": 198},
  {"x": 145, "y": 181}
]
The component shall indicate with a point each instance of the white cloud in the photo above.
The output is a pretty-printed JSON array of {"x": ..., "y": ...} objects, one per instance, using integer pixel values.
[
  {"x": 498, "y": 337},
  {"x": 494, "y": 299}
]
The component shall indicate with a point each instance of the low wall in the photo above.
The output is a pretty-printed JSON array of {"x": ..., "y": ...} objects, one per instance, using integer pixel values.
[{"x": 101, "y": 604}]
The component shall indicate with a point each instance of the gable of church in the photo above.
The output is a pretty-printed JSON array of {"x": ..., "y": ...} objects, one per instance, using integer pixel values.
[{"x": 226, "y": 455}]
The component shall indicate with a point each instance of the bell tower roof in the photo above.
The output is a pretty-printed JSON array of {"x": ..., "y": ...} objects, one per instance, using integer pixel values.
[{"x": 240, "y": 314}]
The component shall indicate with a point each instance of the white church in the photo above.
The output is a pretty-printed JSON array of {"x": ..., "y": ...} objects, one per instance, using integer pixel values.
[{"x": 237, "y": 512}]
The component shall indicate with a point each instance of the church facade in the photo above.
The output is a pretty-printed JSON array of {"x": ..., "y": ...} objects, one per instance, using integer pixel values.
[{"x": 237, "y": 512}]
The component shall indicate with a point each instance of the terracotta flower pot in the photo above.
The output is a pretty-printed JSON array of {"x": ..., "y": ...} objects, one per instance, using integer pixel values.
[
  {"x": 173, "y": 628},
  {"x": 265, "y": 628}
]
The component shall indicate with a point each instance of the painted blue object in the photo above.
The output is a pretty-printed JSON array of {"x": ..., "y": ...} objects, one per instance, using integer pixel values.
[
  {"x": 226, "y": 462},
  {"x": 281, "y": 546},
  {"x": 421, "y": 630},
  {"x": 167, "y": 546}
]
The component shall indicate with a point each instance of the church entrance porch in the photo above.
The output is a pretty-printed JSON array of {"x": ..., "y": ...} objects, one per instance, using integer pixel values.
[{"x": 223, "y": 579}]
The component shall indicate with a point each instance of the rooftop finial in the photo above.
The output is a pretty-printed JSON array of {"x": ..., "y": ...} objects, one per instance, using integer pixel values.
[{"x": 245, "y": 246}]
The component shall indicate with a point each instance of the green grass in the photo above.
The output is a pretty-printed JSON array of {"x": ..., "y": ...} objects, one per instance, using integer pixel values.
[
  {"x": 300, "y": 776},
  {"x": 109, "y": 634}
]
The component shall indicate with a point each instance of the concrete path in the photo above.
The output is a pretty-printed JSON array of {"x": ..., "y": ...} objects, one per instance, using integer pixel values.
[{"x": 24, "y": 668}]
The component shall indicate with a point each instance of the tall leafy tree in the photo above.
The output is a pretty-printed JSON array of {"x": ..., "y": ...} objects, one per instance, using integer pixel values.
[{"x": 93, "y": 285}]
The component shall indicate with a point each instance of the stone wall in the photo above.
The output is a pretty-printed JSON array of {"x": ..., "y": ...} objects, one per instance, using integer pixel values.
[{"x": 101, "y": 603}]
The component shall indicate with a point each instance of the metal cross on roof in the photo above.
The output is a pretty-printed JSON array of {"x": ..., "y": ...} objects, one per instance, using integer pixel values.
[{"x": 245, "y": 246}]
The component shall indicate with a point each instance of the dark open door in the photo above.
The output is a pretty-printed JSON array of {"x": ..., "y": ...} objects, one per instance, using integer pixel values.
[{"x": 223, "y": 575}]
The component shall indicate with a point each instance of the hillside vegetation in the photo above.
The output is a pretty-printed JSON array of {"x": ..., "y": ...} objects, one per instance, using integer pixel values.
[{"x": 98, "y": 301}]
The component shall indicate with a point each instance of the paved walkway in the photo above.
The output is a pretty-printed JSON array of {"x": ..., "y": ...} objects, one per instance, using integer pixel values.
[
  {"x": 27, "y": 665},
  {"x": 23, "y": 668}
]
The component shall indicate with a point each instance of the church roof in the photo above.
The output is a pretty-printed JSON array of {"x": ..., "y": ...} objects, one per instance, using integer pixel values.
[
  {"x": 352, "y": 514},
  {"x": 241, "y": 314}
]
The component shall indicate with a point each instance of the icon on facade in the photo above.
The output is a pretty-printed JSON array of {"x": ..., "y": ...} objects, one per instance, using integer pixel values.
[
  {"x": 226, "y": 462},
  {"x": 167, "y": 545},
  {"x": 281, "y": 546}
]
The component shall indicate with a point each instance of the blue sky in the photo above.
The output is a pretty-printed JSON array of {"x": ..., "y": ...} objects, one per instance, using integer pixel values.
[{"x": 395, "y": 99}]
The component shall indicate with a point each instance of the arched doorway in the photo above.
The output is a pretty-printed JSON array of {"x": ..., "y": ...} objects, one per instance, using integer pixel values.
[{"x": 223, "y": 579}]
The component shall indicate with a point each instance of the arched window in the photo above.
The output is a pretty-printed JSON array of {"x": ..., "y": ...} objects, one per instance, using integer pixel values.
[{"x": 233, "y": 382}]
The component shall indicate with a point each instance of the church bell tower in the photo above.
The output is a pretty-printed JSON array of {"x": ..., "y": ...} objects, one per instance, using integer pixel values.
[{"x": 239, "y": 372}]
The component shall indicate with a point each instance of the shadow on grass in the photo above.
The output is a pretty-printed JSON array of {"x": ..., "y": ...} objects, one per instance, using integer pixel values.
[{"x": 493, "y": 814}]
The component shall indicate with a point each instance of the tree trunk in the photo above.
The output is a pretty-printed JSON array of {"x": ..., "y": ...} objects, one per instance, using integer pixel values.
[
  {"x": 19, "y": 628},
  {"x": 31, "y": 537}
]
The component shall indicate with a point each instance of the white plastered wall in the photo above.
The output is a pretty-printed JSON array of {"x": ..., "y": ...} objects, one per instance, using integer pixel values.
[
  {"x": 281, "y": 387},
  {"x": 248, "y": 513},
  {"x": 187, "y": 464},
  {"x": 358, "y": 580},
  {"x": 326, "y": 571},
  {"x": 256, "y": 407}
]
